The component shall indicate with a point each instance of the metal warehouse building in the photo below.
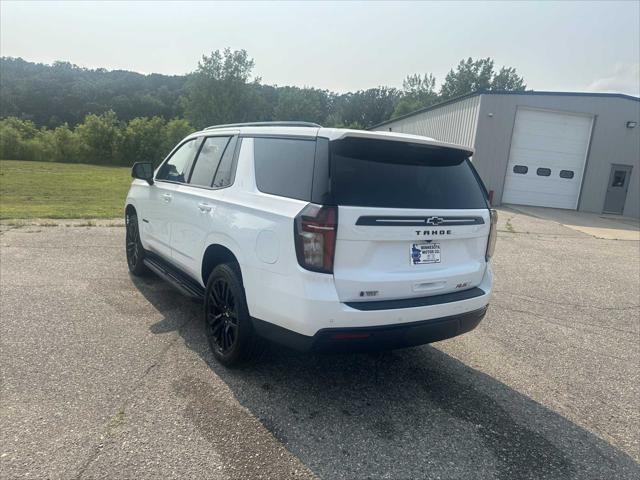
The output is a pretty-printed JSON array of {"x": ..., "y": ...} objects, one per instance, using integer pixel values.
[{"x": 552, "y": 149}]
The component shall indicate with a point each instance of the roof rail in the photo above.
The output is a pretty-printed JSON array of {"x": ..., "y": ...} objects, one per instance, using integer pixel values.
[{"x": 265, "y": 124}]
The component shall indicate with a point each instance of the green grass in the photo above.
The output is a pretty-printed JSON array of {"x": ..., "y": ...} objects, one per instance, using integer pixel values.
[{"x": 61, "y": 190}]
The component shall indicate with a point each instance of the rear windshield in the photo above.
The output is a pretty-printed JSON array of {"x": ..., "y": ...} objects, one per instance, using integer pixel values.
[{"x": 379, "y": 173}]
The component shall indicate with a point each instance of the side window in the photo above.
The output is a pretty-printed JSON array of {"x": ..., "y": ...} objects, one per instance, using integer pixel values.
[
  {"x": 208, "y": 161},
  {"x": 521, "y": 169},
  {"x": 543, "y": 172},
  {"x": 224, "y": 175},
  {"x": 176, "y": 169},
  {"x": 284, "y": 167},
  {"x": 566, "y": 173}
]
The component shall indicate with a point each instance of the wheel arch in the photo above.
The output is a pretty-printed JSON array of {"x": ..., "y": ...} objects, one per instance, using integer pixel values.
[
  {"x": 214, "y": 255},
  {"x": 129, "y": 209}
]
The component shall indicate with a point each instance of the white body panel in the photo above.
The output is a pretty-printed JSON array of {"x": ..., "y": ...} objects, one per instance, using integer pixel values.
[
  {"x": 377, "y": 258},
  {"x": 544, "y": 139},
  {"x": 199, "y": 213},
  {"x": 156, "y": 202},
  {"x": 258, "y": 229}
]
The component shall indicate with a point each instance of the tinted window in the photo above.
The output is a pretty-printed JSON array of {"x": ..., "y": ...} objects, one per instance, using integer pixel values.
[
  {"x": 208, "y": 161},
  {"x": 284, "y": 167},
  {"x": 177, "y": 167},
  {"x": 522, "y": 169},
  {"x": 566, "y": 173},
  {"x": 224, "y": 175},
  {"x": 378, "y": 173},
  {"x": 543, "y": 172}
]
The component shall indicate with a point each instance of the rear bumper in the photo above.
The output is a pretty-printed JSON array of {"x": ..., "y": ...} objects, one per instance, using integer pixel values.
[
  {"x": 373, "y": 338},
  {"x": 310, "y": 304}
]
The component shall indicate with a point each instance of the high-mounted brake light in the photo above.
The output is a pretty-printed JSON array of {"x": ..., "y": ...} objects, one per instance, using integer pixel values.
[
  {"x": 315, "y": 237},
  {"x": 493, "y": 232}
]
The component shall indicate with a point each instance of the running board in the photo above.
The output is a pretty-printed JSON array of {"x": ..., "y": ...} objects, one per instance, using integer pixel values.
[{"x": 182, "y": 282}]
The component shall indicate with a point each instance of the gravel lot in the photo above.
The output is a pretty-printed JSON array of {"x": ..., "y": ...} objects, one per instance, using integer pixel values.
[{"x": 105, "y": 376}]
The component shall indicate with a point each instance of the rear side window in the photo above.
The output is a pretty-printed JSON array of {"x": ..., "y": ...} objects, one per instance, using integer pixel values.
[
  {"x": 208, "y": 161},
  {"x": 379, "y": 173},
  {"x": 224, "y": 175},
  {"x": 284, "y": 167}
]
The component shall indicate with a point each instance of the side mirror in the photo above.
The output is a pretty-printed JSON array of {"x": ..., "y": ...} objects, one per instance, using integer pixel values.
[{"x": 143, "y": 171}]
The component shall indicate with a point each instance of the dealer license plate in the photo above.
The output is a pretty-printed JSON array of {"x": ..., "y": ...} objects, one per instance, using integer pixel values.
[{"x": 428, "y": 252}]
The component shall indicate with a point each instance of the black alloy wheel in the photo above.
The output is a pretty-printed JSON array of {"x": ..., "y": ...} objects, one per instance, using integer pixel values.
[
  {"x": 228, "y": 326},
  {"x": 222, "y": 317},
  {"x": 135, "y": 251}
]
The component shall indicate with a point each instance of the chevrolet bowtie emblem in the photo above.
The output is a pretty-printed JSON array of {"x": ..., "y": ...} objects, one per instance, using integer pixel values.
[{"x": 434, "y": 220}]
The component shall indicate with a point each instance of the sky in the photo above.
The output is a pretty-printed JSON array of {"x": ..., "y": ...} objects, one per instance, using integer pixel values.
[{"x": 566, "y": 46}]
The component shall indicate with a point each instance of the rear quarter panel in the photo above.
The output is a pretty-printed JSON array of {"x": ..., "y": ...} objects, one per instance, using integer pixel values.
[{"x": 258, "y": 229}]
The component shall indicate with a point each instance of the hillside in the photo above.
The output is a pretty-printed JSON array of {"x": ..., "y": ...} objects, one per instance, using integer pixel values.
[{"x": 50, "y": 95}]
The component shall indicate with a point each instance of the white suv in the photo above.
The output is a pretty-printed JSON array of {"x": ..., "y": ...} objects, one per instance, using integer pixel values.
[{"x": 316, "y": 238}]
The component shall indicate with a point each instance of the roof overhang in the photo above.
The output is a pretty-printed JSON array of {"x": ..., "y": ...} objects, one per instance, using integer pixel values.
[{"x": 622, "y": 96}]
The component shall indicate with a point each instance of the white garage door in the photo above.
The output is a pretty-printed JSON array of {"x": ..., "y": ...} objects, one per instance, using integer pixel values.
[{"x": 546, "y": 162}]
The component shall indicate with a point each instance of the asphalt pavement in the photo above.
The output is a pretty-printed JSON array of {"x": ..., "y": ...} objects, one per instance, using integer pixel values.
[{"x": 107, "y": 376}]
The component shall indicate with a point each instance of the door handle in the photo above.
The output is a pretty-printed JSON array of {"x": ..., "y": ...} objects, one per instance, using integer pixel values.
[
  {"x": 204, "y": 207},
  {"x": 166, "y": 197}
]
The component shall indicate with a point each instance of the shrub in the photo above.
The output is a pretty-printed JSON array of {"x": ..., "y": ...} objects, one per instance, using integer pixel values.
[
  {"x": 174, "y": 131},
  {"x": 142, "y": 140},
  {"x": 99, "y": 136},
  {"x": 15, "y": 138},
  {"x": 100, "y": 139},
  {"x": 66, "y": 145}
]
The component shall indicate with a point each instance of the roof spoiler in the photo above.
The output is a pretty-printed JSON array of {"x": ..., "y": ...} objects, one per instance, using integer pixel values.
[{"x": 401, "y": 137}]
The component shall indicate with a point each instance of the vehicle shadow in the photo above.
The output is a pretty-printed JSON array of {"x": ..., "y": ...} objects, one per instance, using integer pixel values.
[{"x": 414, "y": 413}]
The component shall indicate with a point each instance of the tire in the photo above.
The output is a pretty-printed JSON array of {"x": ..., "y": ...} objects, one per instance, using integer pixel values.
[
  {"x": 226, "y": 315},
  {"x": 135, "y": 251}
]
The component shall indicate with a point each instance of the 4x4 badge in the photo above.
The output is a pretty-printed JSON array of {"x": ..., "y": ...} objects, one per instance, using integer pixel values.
[{"x": 434, "y": 220}]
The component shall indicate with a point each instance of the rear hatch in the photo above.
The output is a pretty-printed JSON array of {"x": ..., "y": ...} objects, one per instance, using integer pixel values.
[{"x": 413, "y": 220}]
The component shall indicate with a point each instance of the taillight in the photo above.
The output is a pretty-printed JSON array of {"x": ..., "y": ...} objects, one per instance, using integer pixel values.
[
  {"x": 491, "y": 242},
  {"x": 315, "y": 236}
]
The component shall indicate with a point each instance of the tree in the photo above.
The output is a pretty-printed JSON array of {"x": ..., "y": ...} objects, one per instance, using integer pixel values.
[
  {"x": 142, "y": 141},
  {"x": 365, "y": 108},
  {"x": 51, "y": 95},
  {"x": 417, "y": 92},
  {"x": 470, "y": 76},
  {"x": 99, "y": 137},
  {"x": 66, "y": 145},
  {"x": 220, "y": 90},
  {"x": 11, "y": 140},
  {"x": 303, "y": 104},
  {"x": 479, "y": 75},
  {"x": 17, "y": 139},
  {"x": 174, "y": 131},
  {"x": 105, "y": 116},
  {"x": 508, "y": 80}
]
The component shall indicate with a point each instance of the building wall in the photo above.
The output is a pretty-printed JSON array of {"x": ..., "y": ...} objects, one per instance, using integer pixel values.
[
  {"x": 485, "y": 122},
  {"x": 454, "y": 123},
  {"x": 611, "y": 142}
]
